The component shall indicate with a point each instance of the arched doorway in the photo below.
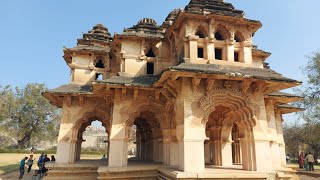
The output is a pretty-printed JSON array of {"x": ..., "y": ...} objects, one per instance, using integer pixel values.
[
  {"x": 95, "y": 142},
  {"x": 92, "y": 134},
  {"x": 147, "y": 131},
  {"x": 229, "y": 120}
]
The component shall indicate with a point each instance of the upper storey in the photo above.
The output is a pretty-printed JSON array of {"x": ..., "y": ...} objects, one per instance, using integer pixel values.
[{"x": 205, "y": 32}]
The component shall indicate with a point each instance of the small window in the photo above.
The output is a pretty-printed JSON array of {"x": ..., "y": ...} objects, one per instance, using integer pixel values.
[
  {"x": 219, "y": 36},
  {"x": 200, "y": 53},
  {"x": 236, "y": 56},
  {"x": 218, "y": 54},
  {"x": 150, "y": 53},
  {"x": 150, "y": 68},
  {"x": 99, "y": 64},
  {"x": 99, "y": 76}
]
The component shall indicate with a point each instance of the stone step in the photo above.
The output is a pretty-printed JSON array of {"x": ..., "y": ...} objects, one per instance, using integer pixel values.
[{"x": 70, "y": 178}]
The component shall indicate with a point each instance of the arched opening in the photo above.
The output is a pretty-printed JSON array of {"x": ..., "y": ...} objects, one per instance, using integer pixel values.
[
  {"x": 229, "y": 125},
  {"x": 239, "y": 37},
  {"x": 100, "y": 64},
  {"x": 91, "y": 136},
  {"x": 219, "y": 36},
  {"x": 150, "y": 53},
  {"x": 200, "y": 34},
  {"x": 145, "y": 139},
  {"x": 95, "y": 142}
]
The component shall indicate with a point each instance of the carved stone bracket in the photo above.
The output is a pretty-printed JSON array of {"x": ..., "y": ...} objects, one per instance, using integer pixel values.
[
  {"x": 68, "y": 100},
  {"x": 195, "y": 84}
]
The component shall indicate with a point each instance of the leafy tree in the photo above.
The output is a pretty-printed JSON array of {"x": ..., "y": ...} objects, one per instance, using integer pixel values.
[{"x": 27, "y": 115}]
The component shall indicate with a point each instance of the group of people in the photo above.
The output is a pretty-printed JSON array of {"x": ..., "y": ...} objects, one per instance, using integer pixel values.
[
  {"x": 30, "y": 161},
  {"x": 306, "y": 161}
]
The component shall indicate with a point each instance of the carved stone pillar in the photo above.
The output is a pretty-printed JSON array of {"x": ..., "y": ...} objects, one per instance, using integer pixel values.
[
  {"x": 118, "y": 151},
  {"x": 190, "y": 130},
  {"x": 230, "y": 51},
  {"x": 193, "y": 47},
  {"x": 227, "y": 154}
]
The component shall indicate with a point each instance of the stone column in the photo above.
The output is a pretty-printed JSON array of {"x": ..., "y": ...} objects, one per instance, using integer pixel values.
[
  {"x": 275, "y": 153},
  {"x": 118, "y": 147},
  {"x": 166, "y": 152},
  {"x": 174, "y": 153},
  {"x": 66, "y": 146},
  {"x": 227, "y": 154},
  {"x": 262, "y": 154},
  {"x": 155, "y": 150},
  {"x": 230, "y": 50},
  {"x": 160, "y": 150},
  {"x": 216, "y": 152},
  {"x": 193, "y": 48},
  {"x": 190, "y": 130},
  {"x": 118, "y": 155},
  {"x": 237, "y": 155},
  {"x": 247, "y": 52},
  {"x": 138, "y": 151},
  {"x": 211, "y": 51},
  {"x": 207, "y": 152},
  {"x": 78, "y": 150}
]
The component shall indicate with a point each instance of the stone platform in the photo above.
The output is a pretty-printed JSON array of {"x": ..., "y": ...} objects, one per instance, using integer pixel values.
[{"x": 98, "y": 169}]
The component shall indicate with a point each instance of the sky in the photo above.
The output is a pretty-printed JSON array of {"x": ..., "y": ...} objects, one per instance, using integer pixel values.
[{"x": 34, "y": 32}]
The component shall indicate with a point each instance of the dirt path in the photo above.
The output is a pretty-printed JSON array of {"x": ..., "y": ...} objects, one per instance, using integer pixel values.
[{"x": 15, "y": 175}]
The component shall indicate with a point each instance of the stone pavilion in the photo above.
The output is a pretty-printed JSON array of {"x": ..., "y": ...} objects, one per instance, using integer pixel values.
[{"x": 203, "y": 100}]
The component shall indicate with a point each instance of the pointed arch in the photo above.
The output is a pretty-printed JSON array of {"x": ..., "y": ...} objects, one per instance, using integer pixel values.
[
  {"x": 239, "y": 37},
  {"x": 221, "y": 33},
  {"x": 238, "y": 102},
  {"x": 201, "y": 32}
]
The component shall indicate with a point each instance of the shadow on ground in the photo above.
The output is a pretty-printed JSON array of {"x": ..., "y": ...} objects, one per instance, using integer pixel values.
[{"x": 9, "y": 168}]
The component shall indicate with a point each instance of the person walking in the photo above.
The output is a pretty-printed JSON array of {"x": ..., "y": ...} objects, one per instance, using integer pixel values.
[
  {"x": 310, "y": 161},
  {"x": 22, "y": 165},
  {"x": 306, "y": 165},
  {"x": 301, "y": 160},
  {"x": 30, "y": 162}
]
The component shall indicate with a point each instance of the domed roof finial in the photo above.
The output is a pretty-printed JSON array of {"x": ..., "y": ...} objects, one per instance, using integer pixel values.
[{"x": 147, "y": 21}]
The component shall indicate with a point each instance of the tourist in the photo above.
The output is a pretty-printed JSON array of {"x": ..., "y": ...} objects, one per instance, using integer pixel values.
[
  {"x": 46, "y": 159},
  {"x": 30, "y": 162},
  {"x": 288, "y": 159},
  {"x": 310, "y": 160},
  {"x": 53, "y": 159},
  {"x": 301, "y": 160},
  {"x": 22, "y": 165},
  {"x": 41, "y": 161},
  {"x": 103, "y": 157},
  {"x": 306, "y": 165},
  {"x": 32, "y": 150}
]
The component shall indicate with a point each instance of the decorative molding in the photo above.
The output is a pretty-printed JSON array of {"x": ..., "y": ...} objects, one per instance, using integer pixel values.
[{"x": 235, "y": 100}]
